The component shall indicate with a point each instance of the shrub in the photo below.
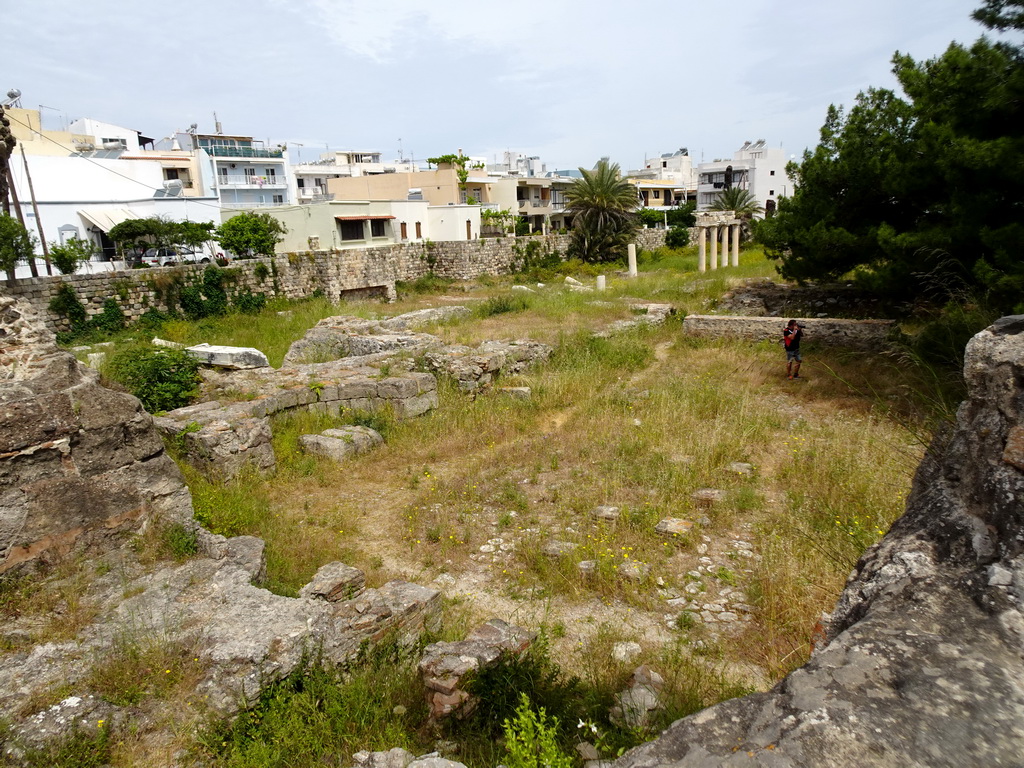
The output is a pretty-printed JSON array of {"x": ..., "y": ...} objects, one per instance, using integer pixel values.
[
  {"x": 503, "y": 304},
  {"x": 111, "y": 319},
  {"x": 250, "y": 303},
  {"x": 66, "y": 304},
  {"x": 677, "y": 237},
  {"x": 261, "y": 272},
  {"x": 532, "y": 674},
  {"x": 163, "y": 379},
  {"x": 67, "y": 257},
  {"x": 531, "y": 742}
]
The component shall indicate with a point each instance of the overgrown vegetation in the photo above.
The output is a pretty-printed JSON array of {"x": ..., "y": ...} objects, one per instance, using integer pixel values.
[
  {"x": 318, "y": 715},
  {"x": 162, "y": 378}
]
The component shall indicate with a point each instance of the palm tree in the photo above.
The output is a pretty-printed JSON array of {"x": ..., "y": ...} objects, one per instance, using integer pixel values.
[
  {"x": 743, "y": 204},
  {"x": 603, "y": 207},
  {"x": 741, "y": 201}
]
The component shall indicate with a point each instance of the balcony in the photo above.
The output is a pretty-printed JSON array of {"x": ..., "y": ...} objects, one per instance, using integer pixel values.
[
  {"x": 252, "y": 204},
  {"x": 217, "y": 151},
  {"x": 246, "y": 180}
]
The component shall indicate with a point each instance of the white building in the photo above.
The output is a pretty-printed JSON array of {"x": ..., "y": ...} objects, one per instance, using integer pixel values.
[
  {"x": 248, "y": 174},
  {"x": 95, "y": 175},
  {"x": 755, "y": 167}
]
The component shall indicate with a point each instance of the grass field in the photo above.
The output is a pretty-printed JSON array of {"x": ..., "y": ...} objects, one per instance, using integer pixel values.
[{"x": 468, "y": 497}]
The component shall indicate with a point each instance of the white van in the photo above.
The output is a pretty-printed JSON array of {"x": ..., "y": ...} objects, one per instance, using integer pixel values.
[{"x": 172, "y": 256}]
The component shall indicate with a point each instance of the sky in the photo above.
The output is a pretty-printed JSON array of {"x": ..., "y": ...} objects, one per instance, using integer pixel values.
[{"x": 567, "y": 80}]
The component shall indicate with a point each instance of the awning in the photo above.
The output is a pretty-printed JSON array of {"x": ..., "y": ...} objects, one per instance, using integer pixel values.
[
  {"x": 107, "y": 218},
  {"x": 362, "y": 218}
]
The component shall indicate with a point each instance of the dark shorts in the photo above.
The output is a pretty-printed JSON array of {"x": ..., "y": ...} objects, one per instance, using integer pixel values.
[{"x": 793, "y": 354}]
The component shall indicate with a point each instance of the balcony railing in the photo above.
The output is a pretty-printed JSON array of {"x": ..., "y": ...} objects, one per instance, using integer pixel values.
[
  {"x": 251, "y": 204},
  {"x": 218, "y": 151},
  {"x": 251, "y": 181}
]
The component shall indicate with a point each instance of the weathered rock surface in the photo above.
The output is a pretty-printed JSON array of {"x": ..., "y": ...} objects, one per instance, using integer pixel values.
[
  {"x": 343, "y": 443},
  {"x": 346, "y": 336},
  {"x": 229, "y": 357},
  {"x": 78, "y": 462},
  {"x": 921, "y": 660},
  {"x": 445, "y": 667},
  {"x": 343, "y": 337}
]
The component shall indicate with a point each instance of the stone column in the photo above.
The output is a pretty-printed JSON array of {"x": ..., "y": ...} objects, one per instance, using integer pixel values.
[
  {"x": 714, "y": 246},
  {"x": 735, "y": 245},
  {"x": 631, "y": 256},
  {"x": 725, "y": 245},
  {"x": 702, "y": 242}
]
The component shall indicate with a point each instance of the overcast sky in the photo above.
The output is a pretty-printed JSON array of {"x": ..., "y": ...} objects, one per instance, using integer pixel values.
[{"x": 568, "y": 80}]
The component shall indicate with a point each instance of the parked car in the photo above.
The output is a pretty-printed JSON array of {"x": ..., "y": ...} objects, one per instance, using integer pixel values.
[{"x": 172, "y": 256}]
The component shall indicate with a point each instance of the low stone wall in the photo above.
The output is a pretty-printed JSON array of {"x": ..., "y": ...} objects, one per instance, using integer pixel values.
[
  {"x": 856, "y": 334},
  {"x": 356, "y": 273}
]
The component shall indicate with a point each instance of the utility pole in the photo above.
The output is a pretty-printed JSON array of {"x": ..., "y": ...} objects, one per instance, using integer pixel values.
[
  {"x": 21, "y": 217},
  {"x": 39, "y": 222}
]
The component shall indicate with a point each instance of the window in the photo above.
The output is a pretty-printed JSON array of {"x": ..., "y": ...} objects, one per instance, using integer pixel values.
[
  {"x": 351, "y": 230},
  {"x": 279, "y": 198},
  {"x": 657, "y": 194},
  {"x": 419, "y": 232},
  {"x": 405, "y": 231},
  {"x": 771, "y": 191},
  {"x": 377, "y": 228},
  {"x": 771, "y": 173},
  {"x": 270, "y": 173},
  {"x": 250, "y": 173},
  {"x": 301, "y": 182}
]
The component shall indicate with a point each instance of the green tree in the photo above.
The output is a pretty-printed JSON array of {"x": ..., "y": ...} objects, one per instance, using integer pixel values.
[
  {"x": 919, "y": 193},
  {"x": 133, "y": 236},
  {"x": 73, "y": 253},
  {"x": 651, "y": 218},
  {"x": 684, "y": 215},
  {"x": 603, "y": 208},
  {"x": 194, "y": 234},
  {"x": 16, "y": 244},
  {"x": 250, "y": 234}
]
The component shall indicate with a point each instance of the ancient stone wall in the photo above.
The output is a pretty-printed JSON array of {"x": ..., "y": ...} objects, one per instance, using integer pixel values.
[
  {"x": 855, "y": 334},
  {"x": 350, "y": 274}
]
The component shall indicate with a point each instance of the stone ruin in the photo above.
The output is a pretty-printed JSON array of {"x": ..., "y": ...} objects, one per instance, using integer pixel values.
[
  {"x": 84, "y": 472},
  {"x": 920, "y": 663},
  {"x": 337, "y": 366}
]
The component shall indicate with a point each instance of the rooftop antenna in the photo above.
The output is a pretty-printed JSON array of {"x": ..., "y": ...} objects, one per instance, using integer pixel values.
[{"x": 401, "y": 157}]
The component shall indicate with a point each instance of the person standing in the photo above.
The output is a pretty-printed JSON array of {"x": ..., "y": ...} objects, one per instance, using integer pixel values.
[{"x": 791, "y": 336}]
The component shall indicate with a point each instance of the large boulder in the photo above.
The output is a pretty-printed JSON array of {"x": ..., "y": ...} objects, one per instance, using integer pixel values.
[
  {"x": 920, "y": 663},
  {"x": 79, "y": 463}
]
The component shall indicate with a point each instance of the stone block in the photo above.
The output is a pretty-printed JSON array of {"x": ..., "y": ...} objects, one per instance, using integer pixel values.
[
  {"x": 229, "y": 357},
  {"x": 397, "y": 388},
  {"x": 673, "y": 526},
  {"x": 341, "y": 444},
  {"x": 334, "y": 582}
]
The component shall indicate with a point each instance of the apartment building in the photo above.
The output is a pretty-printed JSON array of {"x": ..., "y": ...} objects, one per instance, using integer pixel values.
[{"x": 756, "y": 167}]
